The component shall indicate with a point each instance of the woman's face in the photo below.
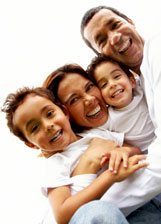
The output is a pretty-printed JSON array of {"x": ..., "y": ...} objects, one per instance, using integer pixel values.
[{"x": 83, "y": 100}]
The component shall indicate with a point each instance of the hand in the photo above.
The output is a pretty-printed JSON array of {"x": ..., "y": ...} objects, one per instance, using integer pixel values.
[
  {"x": 90, "y": 160},
  {"x": 114, "y": 158},
  {"x": 133, "y": 165}
]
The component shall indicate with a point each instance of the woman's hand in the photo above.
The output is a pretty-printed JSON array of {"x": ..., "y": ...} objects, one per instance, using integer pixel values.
[{"x": 133, "y": 165}]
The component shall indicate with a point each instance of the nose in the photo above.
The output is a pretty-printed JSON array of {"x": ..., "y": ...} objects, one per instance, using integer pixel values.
[
  {"x": 89, "y": 99},
  {"x": 111, "y": 84},
  {"x": 115, "y": 38},
  {"x": 48, "y": 126}
]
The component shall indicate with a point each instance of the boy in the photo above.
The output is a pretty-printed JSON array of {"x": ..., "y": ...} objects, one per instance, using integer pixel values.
[
  {"x": 40, "y": 121},
  {"x": 128, "y": 111}
]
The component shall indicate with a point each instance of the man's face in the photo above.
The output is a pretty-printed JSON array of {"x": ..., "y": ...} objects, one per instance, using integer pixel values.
[{"x": 115, "y": 37}]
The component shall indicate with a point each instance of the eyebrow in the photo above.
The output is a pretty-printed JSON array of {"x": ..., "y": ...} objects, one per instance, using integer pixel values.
[
  {"x": 32, "y": 120},
  {"x": 74, "y": 94},
  {"x": 113, "y": 71}
]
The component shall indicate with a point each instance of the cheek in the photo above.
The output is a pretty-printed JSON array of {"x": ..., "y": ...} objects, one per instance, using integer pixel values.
[
  {"x": 76, "y": 111},
  {"x": 105, "y": 94}
]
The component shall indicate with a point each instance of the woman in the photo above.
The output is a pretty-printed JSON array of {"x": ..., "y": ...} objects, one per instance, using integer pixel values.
[{"x": 86, "y": 107}]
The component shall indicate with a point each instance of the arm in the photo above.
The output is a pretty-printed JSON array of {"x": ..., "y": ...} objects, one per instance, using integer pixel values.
[
  {"x": 64, "y": 205},
  {"x": 90, "y": 161}
]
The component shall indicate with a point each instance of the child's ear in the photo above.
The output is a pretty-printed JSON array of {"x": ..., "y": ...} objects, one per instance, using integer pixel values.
[
  {"x": 31, "y": 145},
  {"x": 133, "y": 81},
  {"x": 65, "y": 110}
]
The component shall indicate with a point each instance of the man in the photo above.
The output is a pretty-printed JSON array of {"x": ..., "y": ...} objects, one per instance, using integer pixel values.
[{"x": 108, "y": 31}]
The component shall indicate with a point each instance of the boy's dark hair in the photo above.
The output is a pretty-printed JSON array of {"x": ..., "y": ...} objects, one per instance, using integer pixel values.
[
  {"x": 100, "y": 58},
  {"x": 53, "y": 80},
  {"x": 14, "y": 100},
  {"x": 88, "y": 16}
]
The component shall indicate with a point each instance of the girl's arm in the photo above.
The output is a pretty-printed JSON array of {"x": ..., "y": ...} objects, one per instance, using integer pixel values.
[{"x": 64, "y": 205}]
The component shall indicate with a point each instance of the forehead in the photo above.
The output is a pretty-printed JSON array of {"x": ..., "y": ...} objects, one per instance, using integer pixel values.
[
  {"x": 99, "y": 20},
  {"x": 71, "y": 83},
  {"x": 30, "y": 109},
  {"x": 72, "y": 80},
  {"x": 106, "y": 67}
]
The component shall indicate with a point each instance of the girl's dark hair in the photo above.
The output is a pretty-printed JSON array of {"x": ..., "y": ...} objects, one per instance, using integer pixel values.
[{"x": 100, "y": 58}]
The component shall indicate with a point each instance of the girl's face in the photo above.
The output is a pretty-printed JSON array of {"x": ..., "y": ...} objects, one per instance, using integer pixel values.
[
  {"x": 116, "y": 87},
  {"x": 83, "y": 100}
]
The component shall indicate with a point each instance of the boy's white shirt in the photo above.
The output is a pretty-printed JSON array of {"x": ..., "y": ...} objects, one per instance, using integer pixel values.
[{"x": 60, "y": 166}]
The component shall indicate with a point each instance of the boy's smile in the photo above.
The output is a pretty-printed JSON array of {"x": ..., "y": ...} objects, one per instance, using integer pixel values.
[{"x": 44, "y": 124}]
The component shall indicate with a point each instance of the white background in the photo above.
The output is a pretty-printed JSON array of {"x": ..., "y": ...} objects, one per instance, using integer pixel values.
[{"x": 37, "y": 36}]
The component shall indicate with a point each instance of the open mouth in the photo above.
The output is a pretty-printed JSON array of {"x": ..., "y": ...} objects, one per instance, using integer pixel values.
[
  {"x": 94, "y": 112},
  {"x": 125, "y": 47},
  {"x": 57, "y": 136},
  {"x": 117, "y": 93}
]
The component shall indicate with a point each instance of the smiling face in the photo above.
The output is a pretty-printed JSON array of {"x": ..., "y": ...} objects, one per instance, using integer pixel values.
[
  {"x": 83, "y": 100},
  {"x": 115, "y": 37},
  {"x": 116, "y": 87},
  {"x": 44, "y": 124}
]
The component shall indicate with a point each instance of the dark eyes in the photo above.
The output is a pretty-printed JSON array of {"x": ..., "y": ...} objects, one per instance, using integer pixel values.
[
  {"x": 117, "y": 76},
  {"x": 104, "y": 84},
  {"x": 34, "y": 128},
  {"x": 50, "y": 113},
  {"x": 90, "y": 86},
  {"x": 102, "y": 41},
  {"x": 115, "y": 25},
  {"x": 74, "y": 100}
]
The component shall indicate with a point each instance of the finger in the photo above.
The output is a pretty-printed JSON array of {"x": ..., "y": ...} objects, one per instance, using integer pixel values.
[
  {"x": 117, "y": 163},
  {"x": 135, "y": 159},
  {"x": 104, "y": 161},
  {"x": 112, "y": 161},
  {"x": 140, "y": 165},
  {"x": 125, "y": 161}
]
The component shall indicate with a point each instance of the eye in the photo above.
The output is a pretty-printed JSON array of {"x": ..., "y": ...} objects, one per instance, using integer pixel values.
[
  {"x": 34, "y": 128},
  {"x": 115, "y": 25},
  {"x": 89, "y": 87},
  {"x": 50, "y": 113},
  {"x": 102, "y": 42},
  {"x": 74, "y": 100},
  {"x": 117, "y": 76},
  {"x": 103, "y": 84}
]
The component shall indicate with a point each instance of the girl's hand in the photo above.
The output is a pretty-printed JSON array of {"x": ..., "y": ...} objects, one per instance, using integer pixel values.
[{"x": 115, "y": 157}]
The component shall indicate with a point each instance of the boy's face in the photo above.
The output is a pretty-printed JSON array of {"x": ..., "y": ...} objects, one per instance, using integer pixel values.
[
  {"x": 115, "y": 85},
  {"x": 83, "y": 100},
  {"x": 115, "y": 37},
  {"x": 43, "y": 123}
]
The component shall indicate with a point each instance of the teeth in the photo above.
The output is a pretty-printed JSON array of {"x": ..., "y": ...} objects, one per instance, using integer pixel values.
[
  {"x": 117, "y": 92},
  {"x": 58, "y": 134},
  {"x": 95, "y": 111},
  {"x": 125, "y": 46}
]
